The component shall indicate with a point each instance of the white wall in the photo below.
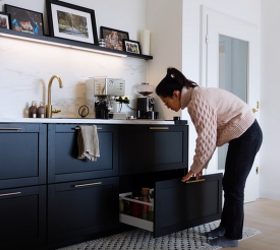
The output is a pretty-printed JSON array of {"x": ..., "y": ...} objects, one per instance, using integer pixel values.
[
  {"x": 164, "y": 20},
  {"x": 269, "y": 104},
  {"x": 182, "y": 47},
  {"x": 26, "y": 67}
]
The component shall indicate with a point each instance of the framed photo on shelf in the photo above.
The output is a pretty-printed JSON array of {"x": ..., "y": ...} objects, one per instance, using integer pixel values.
[
  {"x": 24, "y": 20},
  {"x": 71, "y": 22},
  {"x": 113, "y": 38},
  {"x": 4, "y": 20},
  {"x": 132, "y": 46}
]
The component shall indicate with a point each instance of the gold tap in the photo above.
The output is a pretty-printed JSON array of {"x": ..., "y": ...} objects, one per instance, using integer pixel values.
[{"x": 49, "y": 110}]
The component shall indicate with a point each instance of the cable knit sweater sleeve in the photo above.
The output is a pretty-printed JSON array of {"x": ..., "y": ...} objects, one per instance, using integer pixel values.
[{"x": 204, "y": 119}]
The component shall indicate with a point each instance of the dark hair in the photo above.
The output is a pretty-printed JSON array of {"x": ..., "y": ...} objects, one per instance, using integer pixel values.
[
  {"x": 174, "y": 80},
  {"x": 22, "y": 16}
]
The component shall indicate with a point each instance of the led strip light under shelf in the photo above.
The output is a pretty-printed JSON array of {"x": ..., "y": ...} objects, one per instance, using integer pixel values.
[{"x": 61, "y": 45}]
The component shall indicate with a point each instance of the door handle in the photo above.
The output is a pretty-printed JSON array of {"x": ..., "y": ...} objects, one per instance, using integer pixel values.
[
  {"x": 89, "y": 184},
  {"x": 159, "y": 127},
  {"x": 8, "y": 194},
  {"x": 7, "y": 128},
  {"x": 258, "y": 106},
  {"x": 187, "y": 182}
]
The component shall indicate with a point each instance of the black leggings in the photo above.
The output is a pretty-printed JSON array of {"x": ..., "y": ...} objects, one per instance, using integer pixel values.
[{"x": 240, "y": 157}]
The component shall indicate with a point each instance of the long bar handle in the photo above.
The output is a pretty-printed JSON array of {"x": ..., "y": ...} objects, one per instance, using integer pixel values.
[
  {"x": 89, "y": 184},
  {"x": 195, "y": 181},
  {"x": 159, "y": 127},
  {"x": 7, "y": 128},
  {"x": 10, "y": 194},
  {"x": 96, "y": 128}
]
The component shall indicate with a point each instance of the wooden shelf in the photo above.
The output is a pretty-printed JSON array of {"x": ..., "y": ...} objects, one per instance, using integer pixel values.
[{"x": 69, "y": 44}]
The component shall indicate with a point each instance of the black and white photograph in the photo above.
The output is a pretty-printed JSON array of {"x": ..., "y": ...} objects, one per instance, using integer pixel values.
[
  {"x": 4, "y": 20},
  {"x": 24, "y": 20},
  {"x": 72, "y": 22},
  {"x": 132, "y": 46}
]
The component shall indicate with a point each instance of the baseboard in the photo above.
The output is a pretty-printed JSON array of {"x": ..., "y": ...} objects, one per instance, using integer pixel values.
[{"x": 268, "y": 194}]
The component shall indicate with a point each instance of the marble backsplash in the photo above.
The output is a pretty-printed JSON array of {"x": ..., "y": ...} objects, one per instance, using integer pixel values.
[{"x": 26, "y": 68}]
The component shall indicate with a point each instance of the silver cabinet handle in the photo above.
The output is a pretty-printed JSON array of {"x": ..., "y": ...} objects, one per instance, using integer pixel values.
[
  {"x": 159, "y": 128},
  {"x": 195, "y": 181},
  {"x": 7, "y": 128},
  {"x": 10, "y": 194},
  {"x": 89, "y": 184}
]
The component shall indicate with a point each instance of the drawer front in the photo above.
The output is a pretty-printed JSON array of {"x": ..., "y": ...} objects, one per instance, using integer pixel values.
[
  {"x": 23, "y": 218},
  {"x": 150, "y": 148},
  {"x": 181, "y": 205},
  {"x": 82, "y": 208},
  {"x": 63, "y": 164},
  {"x": 23, "y": 151}
]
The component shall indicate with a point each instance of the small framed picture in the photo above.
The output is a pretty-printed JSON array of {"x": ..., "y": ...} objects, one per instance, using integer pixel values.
[
  {"x": 23, "y": 20},
  {"x": 113, "y": 38},
  {"x": 132, "y": 46},
  {"x": 71, "y": 22},
  {"x": 4, "y": 20}
]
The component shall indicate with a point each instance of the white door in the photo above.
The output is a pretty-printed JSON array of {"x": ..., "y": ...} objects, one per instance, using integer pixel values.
[{"x": 230, "y": 60}]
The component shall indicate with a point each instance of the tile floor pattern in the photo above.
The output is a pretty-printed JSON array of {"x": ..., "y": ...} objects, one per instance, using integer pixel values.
[{"x": 138, "y": 239}]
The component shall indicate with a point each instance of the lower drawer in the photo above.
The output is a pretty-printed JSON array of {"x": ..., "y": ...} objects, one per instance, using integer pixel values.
[{"x": 179, "y": 205}]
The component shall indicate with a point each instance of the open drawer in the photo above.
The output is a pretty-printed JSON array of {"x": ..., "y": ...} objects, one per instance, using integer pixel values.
[{"x": 179, "y": 205}]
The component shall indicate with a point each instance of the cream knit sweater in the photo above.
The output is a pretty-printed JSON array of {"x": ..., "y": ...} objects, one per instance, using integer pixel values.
[{"x": 218, "y": 117}]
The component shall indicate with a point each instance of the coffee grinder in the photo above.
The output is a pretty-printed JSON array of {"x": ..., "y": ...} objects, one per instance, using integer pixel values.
[{"x": 146, "y": 103}]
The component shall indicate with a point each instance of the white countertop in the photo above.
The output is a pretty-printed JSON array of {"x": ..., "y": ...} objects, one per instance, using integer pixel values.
[{"x": 85, "y": 120}]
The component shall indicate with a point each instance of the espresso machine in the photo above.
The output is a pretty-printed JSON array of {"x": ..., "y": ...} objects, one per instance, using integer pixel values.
[
  {"x": 146, "y": 102},
  {"x": 101, "y": 95}
]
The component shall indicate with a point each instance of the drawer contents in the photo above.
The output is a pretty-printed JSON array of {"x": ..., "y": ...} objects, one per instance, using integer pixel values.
[{"x": 137, "y": 208}]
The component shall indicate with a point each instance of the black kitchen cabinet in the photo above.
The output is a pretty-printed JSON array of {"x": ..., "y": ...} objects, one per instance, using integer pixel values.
[
  {"x": 177, "y": 205},
  {"x": 23, "y": 150},
  {"x": 51, "y": 199},
  {"x": 181, "y": 205},
  {"x": 63, "y": 164},
  {"x": 151, "y": 148},
  {"x": 77, "y": 209},
  {"x": 23, "y": 218}
]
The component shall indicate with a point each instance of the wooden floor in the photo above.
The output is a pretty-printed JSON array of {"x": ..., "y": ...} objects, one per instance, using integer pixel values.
[{"x": 263, "y": 215}]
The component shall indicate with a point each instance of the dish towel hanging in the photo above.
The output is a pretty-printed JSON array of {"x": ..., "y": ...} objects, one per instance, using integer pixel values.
[{"x": 88, "y": 143}]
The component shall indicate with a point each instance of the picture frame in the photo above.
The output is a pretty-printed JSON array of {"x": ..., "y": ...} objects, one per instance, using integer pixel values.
[
  {"x": 24, "y": 20},
  {"x": 4, "y": 20},
  {"x": 113, "y": 38},
  {"x": 132, "y": 46},
  {"x": 71, "y": 22}
]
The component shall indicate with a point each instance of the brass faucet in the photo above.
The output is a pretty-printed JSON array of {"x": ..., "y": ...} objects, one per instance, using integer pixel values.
[{"x": 49, "y": 110}]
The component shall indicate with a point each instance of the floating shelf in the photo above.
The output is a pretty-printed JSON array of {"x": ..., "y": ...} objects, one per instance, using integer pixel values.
[{"x": 69, "y": 44}]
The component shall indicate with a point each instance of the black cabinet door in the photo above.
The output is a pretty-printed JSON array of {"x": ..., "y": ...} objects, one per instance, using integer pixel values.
[
  {"x": 82, "y": 208},
  {"x": 23, "y": 218},
  {"x": 181, "y": 205},
  {"x": 63, "y": 164},
  {"x": 150, "y": 148},
  {"x": 23, "y": 150}
]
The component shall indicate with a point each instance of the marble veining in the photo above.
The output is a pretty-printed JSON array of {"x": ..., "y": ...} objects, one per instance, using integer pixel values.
[{"x": 25, "y": 75}]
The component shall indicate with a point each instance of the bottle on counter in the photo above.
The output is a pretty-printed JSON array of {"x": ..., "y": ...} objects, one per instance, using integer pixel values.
[
  {"x": 146, "y": 198},
  {"x": 136, "y": 207},
  {"x": 33, "y": 110},
  {"x": 41, "y": 111}
]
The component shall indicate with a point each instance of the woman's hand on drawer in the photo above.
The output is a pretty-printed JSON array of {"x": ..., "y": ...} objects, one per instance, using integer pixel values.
[{"x": 190, "y": 174}]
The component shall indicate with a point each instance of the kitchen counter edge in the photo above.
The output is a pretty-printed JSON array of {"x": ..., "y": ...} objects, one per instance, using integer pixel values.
[{"x": 85, "y": 121}]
